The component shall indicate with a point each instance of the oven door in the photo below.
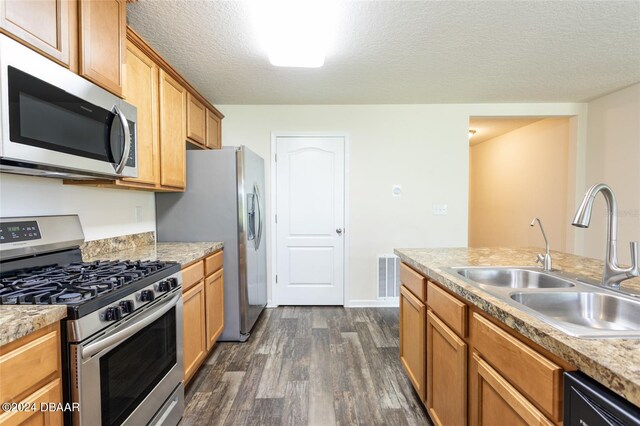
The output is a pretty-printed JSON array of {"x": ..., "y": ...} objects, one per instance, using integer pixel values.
[
  {"x": 134, "y": 372},
  {"x": 55, "y": 120}
]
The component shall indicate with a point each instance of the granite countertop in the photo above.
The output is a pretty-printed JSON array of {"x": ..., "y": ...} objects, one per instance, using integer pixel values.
[
  {"x": 17, "y": 321},
  {"x": 613, "y": 362},
  {"x": 183, "y": 253}
]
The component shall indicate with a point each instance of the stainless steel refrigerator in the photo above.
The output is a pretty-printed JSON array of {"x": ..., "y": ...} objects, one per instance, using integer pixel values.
[{"x": 224, "y": 201}]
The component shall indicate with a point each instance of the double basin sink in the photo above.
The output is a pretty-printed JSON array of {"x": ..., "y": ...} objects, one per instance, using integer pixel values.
[{"x": 573, "y": 306}]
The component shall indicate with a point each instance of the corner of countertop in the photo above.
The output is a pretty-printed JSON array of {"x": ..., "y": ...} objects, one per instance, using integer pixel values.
[{"x": 17, "y": 321}]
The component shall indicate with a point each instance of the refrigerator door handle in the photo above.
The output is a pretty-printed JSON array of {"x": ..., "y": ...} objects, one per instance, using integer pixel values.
[
  {"x": 256, "y": 191},
  {"x": 251, "y": 217}
]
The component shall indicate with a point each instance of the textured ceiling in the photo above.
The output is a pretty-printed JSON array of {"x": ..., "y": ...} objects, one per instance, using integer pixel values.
[
  {"x": 489, "y": 128},
  {"x": 389, "y": 52}
]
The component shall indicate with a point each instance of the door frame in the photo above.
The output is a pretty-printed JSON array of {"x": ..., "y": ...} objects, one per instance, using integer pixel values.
[{"x": 273, "y": 185}]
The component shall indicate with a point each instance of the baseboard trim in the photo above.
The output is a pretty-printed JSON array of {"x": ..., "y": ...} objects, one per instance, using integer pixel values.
[{"x": 373, "y": 303}]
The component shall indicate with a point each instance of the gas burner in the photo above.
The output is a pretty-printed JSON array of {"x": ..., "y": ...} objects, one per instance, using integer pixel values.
[{"x": 74, "y": 283}]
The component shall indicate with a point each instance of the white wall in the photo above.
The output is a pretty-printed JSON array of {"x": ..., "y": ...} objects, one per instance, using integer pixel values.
[
  {"x": 613, "y": 157},
  {"x": 103, "y": 212},
  {"x": 424, "y": 148}
]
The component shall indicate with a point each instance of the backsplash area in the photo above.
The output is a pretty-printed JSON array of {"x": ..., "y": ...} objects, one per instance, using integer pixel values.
[
  {"x": 124, "y": 242},
  {"x": 104, "y": 213}
]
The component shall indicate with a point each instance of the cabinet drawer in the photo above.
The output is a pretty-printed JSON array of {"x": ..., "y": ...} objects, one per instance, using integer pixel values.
[
  {"x": 449, "y": 309},
  {"x": 49, "y": 393},
  {"x": 192, "y": 274},
  {"x": 414, "y": 282},
  {"x": 213, "y": 263},
  {"x": 29, "y": 364},
  {"x": 539, "y": 379}
]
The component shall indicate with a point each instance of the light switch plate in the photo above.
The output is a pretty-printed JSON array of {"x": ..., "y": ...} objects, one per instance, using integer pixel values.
[{"x": 439, "y": 209}]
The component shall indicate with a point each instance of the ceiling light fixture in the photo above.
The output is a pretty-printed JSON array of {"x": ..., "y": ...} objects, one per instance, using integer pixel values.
[
  {"x": 295, "y": 33},
  {"x": 471, "y": 133}
]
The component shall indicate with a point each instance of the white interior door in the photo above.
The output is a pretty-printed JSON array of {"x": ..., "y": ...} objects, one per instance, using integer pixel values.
[{"x": 310, "y": 220}]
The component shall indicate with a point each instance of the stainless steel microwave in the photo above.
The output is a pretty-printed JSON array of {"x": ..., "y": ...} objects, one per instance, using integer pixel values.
[{"x": 55, "y": 123}]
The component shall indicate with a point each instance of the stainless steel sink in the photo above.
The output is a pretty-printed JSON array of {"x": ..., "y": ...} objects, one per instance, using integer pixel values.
[
  {"x": 564, "y": 301},
  {"x": 585, "y": 313},
  {"x": 513, "y": 277}
]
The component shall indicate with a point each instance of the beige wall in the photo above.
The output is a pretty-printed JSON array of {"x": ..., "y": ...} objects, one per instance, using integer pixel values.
[
  {"x": 424, "y": 148},
  {"x": 516, "y": 177},
  {"x": 613, "y": 157}
]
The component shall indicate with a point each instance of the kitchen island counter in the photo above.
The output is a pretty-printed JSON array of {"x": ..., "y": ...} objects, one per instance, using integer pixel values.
[{"x": 613, "y": 362}]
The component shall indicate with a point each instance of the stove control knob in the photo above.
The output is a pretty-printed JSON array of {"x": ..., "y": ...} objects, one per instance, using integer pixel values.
[
  {"x": 126, "y": 306},
  {"x": 173, "y": 282},
  {"x": 113, "y": 314},
  {"x": 147, "y": 295},
  {"x": 164, "y": 286}
]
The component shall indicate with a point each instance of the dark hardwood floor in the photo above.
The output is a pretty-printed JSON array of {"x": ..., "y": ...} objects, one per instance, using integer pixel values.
[{"x": 308, "y": 365}]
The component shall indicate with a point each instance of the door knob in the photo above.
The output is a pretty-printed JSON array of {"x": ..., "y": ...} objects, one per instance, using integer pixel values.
[{"x": 339, "y": 231}]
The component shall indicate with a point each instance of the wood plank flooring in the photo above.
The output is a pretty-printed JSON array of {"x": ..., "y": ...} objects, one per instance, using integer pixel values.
[{"x": 308, "y": 366}]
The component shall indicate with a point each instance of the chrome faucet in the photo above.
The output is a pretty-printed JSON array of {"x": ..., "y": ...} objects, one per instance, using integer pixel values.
[
  {"x": 613, "y": 274},
  {"x": 544, "y": 259}
]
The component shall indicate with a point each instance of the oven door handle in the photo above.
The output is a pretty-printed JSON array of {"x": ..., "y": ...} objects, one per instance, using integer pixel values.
[{"x": 130, "y": 329}]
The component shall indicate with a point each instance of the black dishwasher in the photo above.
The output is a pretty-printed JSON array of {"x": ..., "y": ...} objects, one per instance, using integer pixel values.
[{"x": 588, "y": 403}]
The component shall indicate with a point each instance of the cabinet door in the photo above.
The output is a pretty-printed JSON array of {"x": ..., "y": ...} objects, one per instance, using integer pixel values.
[
  {"x": 172, "y": 132},
  {"x": 141, "y": 90},
  {"x": 412, "y": 339},
  {"x": 43, "y": 24},
  {"x": 196, "y": 120},
  {"x": 193, "y": 328},
  {"x": 494, "y": 401},
  {"x": 102, "y": 42},
  {"x": 446, "y": 374},
  {"x": 49, "y": 393},
  {"x": 214, "y": 131},
  {"x": 214, "y": 293}
]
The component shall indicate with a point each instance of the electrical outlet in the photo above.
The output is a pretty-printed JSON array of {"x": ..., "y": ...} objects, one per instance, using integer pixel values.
[
  {"x": 138, "y": 213},
  {"x": 439, "y": 209}
]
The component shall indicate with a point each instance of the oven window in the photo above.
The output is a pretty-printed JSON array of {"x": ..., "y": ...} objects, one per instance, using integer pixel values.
[
  {"x": 46, "y": 116},
  {"x": 130, "y": 371}
]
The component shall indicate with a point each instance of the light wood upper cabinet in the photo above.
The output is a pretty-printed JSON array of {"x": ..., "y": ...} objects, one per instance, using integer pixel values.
[
  {"x": 196, "y": 120},
  {"x": 43, "y": 24},
  {"x": 412, "y": 339},
  {"x": 172, "y": 132},
  {"x": 102, "y": 42},
  {"x": 141, "y": 90},
  {"x": 214, "y": 294},
  {"x": 446, "y": 374},
  {"x": 193, "y": 329},
  {"x": 214, "y": 131}
]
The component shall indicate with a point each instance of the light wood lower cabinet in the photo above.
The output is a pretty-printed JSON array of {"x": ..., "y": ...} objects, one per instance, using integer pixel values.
[
  {"x": 214, "y": 294},
  {"x": 30, "y": 371},
  {"x": 446, "y": 374},
  {"x": 202, "y": 310},
  {"x": 193, "y": 329},
  {"x": 412, "y": 339},
  {"x": 471, "y": 367},
  {"x": 494, "y": 401}
]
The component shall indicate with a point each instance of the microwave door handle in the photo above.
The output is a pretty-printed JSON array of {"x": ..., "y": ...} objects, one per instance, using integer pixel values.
[
  {"x": 129, "y": 330},
  {"x": 126, "y": 139}
]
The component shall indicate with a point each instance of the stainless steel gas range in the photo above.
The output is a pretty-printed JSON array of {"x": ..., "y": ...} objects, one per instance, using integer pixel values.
[{"x": 122, "y": 346}]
